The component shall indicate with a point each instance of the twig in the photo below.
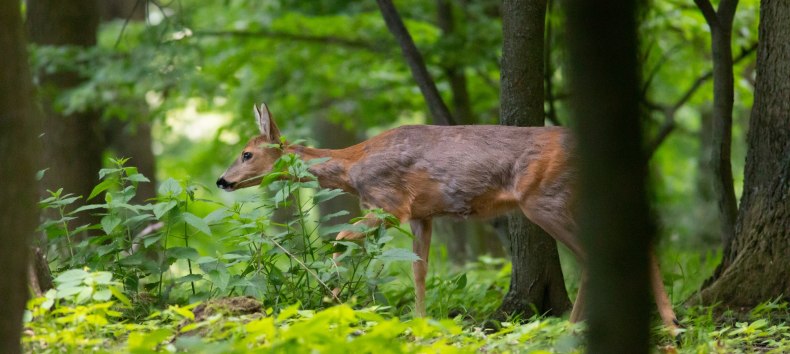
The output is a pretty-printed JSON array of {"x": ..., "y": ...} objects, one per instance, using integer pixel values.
[
  {"x": 345, "y": 42},
  {"x": 669, "y": 110},
  {"x": 310, "y": 271},
  {"x": 125, "y": 23}
]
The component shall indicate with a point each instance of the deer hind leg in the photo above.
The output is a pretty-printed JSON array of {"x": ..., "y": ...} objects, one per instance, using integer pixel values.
[
  {"x": 660, "y": 294},
  {"x": 558, "y": 222},
  {"x": 370, "y": 220},
  {"x": 577, "y": 313},
  {"x": 422, "y": 246}
]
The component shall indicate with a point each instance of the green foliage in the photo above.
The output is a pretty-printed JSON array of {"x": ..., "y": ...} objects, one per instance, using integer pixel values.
[{"x": 147, "y": 247}]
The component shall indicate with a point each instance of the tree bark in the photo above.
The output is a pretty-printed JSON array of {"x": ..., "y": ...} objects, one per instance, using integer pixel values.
[
  {"x": 19, "y": 148},
  {"x": 127, "y": 138},
  {"x": 439, "y": 112},
  {"x": 74, "y": 143},
  {"x": 465, "y": 240},
  {"x": 613, "y": 214},
  {"x": 720, "y": 23},
  {"x": 536, "y": 282},
  {"x": 756, "y": 267},
  {"x": 462, "y": 108},
  {"x": 331, "y": 135}
]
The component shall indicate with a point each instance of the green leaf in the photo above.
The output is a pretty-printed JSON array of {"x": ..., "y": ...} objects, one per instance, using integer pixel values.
[
  {"x": 138, "y": 177},
  {"x": 120, "y": 296},
  {"x": 105, "y": 171},
  {"x": 162, "y": 208},
  {"x": 331, "y": 216},
  {"x": 189, "y": 278},
  {"x": 460, "y": 283},
  {"x": 71, "y": 275},
  {"x": 102, "y": 295},
  {"x": 217, "y": 215},
  {"x": 88, "y": 207},
  {"x": 343, "y": 227},
  {"x": 186, "y": 313},
  {"x": 101, "y": 187},
  {"x": 183, "y": 253},
  {"x": 40, "y": 174},
  {"x": 148, "y": 241},
  {"x": 323, "y": 195},
  {"x": 84, "y": 295},
  {"x": 110, "y": 222},
  {"x": 170, "y": 187},
  {"x": 206, "y": 259},
  {"x": 398, "y": 254},
  {"x": 196, "y": 222}
]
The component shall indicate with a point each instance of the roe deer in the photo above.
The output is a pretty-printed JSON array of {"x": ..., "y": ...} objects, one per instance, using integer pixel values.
[{"x": 420, "y": 172}]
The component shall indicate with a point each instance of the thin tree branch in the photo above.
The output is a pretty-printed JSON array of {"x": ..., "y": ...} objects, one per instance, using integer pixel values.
[
  {"x": 126, "y": 23},
  {"x": 709, "y": 13},
  {"x": 439, "y": 111},
  {"x": 345, "y": 42},
  {"x": 669, "y": 110}
]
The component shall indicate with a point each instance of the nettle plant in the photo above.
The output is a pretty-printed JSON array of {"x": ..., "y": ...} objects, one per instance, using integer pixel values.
[
  {"x": 146, "y": 247},
  {"x": 292, "y": 261}
]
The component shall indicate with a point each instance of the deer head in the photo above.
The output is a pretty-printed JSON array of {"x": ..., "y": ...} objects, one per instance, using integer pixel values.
[{"x": 257, "y": 157}]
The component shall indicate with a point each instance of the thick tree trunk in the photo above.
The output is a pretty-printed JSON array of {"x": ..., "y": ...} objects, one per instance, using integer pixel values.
[
  {"x": 19, "y": 147},
  {"x": 536, "y": 282},
  {"x": 756, "y": 267},
  {"x": 74, "y": 143},
  {"x": 614, "y": 219}
]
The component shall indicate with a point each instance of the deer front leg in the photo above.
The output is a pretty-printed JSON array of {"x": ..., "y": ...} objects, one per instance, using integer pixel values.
[
  {"x": 370, "y": 220},
  {"x": 422, "y": 246},
  {"x": 662, "y": 300}
]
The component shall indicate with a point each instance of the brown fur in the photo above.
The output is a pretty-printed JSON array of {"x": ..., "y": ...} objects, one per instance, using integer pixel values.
[{"x": 420, "y": 172}]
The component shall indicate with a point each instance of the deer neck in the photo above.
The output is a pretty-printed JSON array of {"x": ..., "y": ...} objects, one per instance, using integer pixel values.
[{"x": 332, "y": 173}]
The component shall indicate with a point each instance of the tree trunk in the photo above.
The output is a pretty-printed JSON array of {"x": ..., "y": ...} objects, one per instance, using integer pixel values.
[
  {"x": 536, "y": 282},
  {"x": 331, "y": 135},
  {"x": 756, "y": 268},
  {"x": 720, "y": 23},
  {"x": 74, "y": 143},
  {"x": 127, "y": 138},
  {"x": 439, "y": 112},
  {"x": 614, "y": 220},
  {"x": 468, "y": 239},
  {"x": 19, "y": 147}
]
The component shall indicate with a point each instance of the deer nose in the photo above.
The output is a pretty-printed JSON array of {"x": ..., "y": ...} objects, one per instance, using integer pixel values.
[{"x": 223, "y": 184}]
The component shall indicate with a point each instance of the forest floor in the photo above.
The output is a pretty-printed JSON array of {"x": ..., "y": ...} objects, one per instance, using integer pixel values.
[{"x": 457, "y": 299}]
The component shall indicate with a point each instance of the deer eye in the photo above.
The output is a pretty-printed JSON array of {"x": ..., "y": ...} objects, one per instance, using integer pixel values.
[{"x": 246, "y": 156}]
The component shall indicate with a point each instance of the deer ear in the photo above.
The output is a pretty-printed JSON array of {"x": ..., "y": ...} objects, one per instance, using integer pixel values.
[{"x": 265, "y": 122}]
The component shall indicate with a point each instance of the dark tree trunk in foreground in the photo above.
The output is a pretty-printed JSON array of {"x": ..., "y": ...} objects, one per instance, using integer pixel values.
[
  {"x": 19, "y": 148},
  {"x": 757, "y": 266},
  {"x": 74, "y": 143},
  {"x": 720, "y": 23},
  {"x": 614, "y": 218},
  {"x": 536, "y": 282}
]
